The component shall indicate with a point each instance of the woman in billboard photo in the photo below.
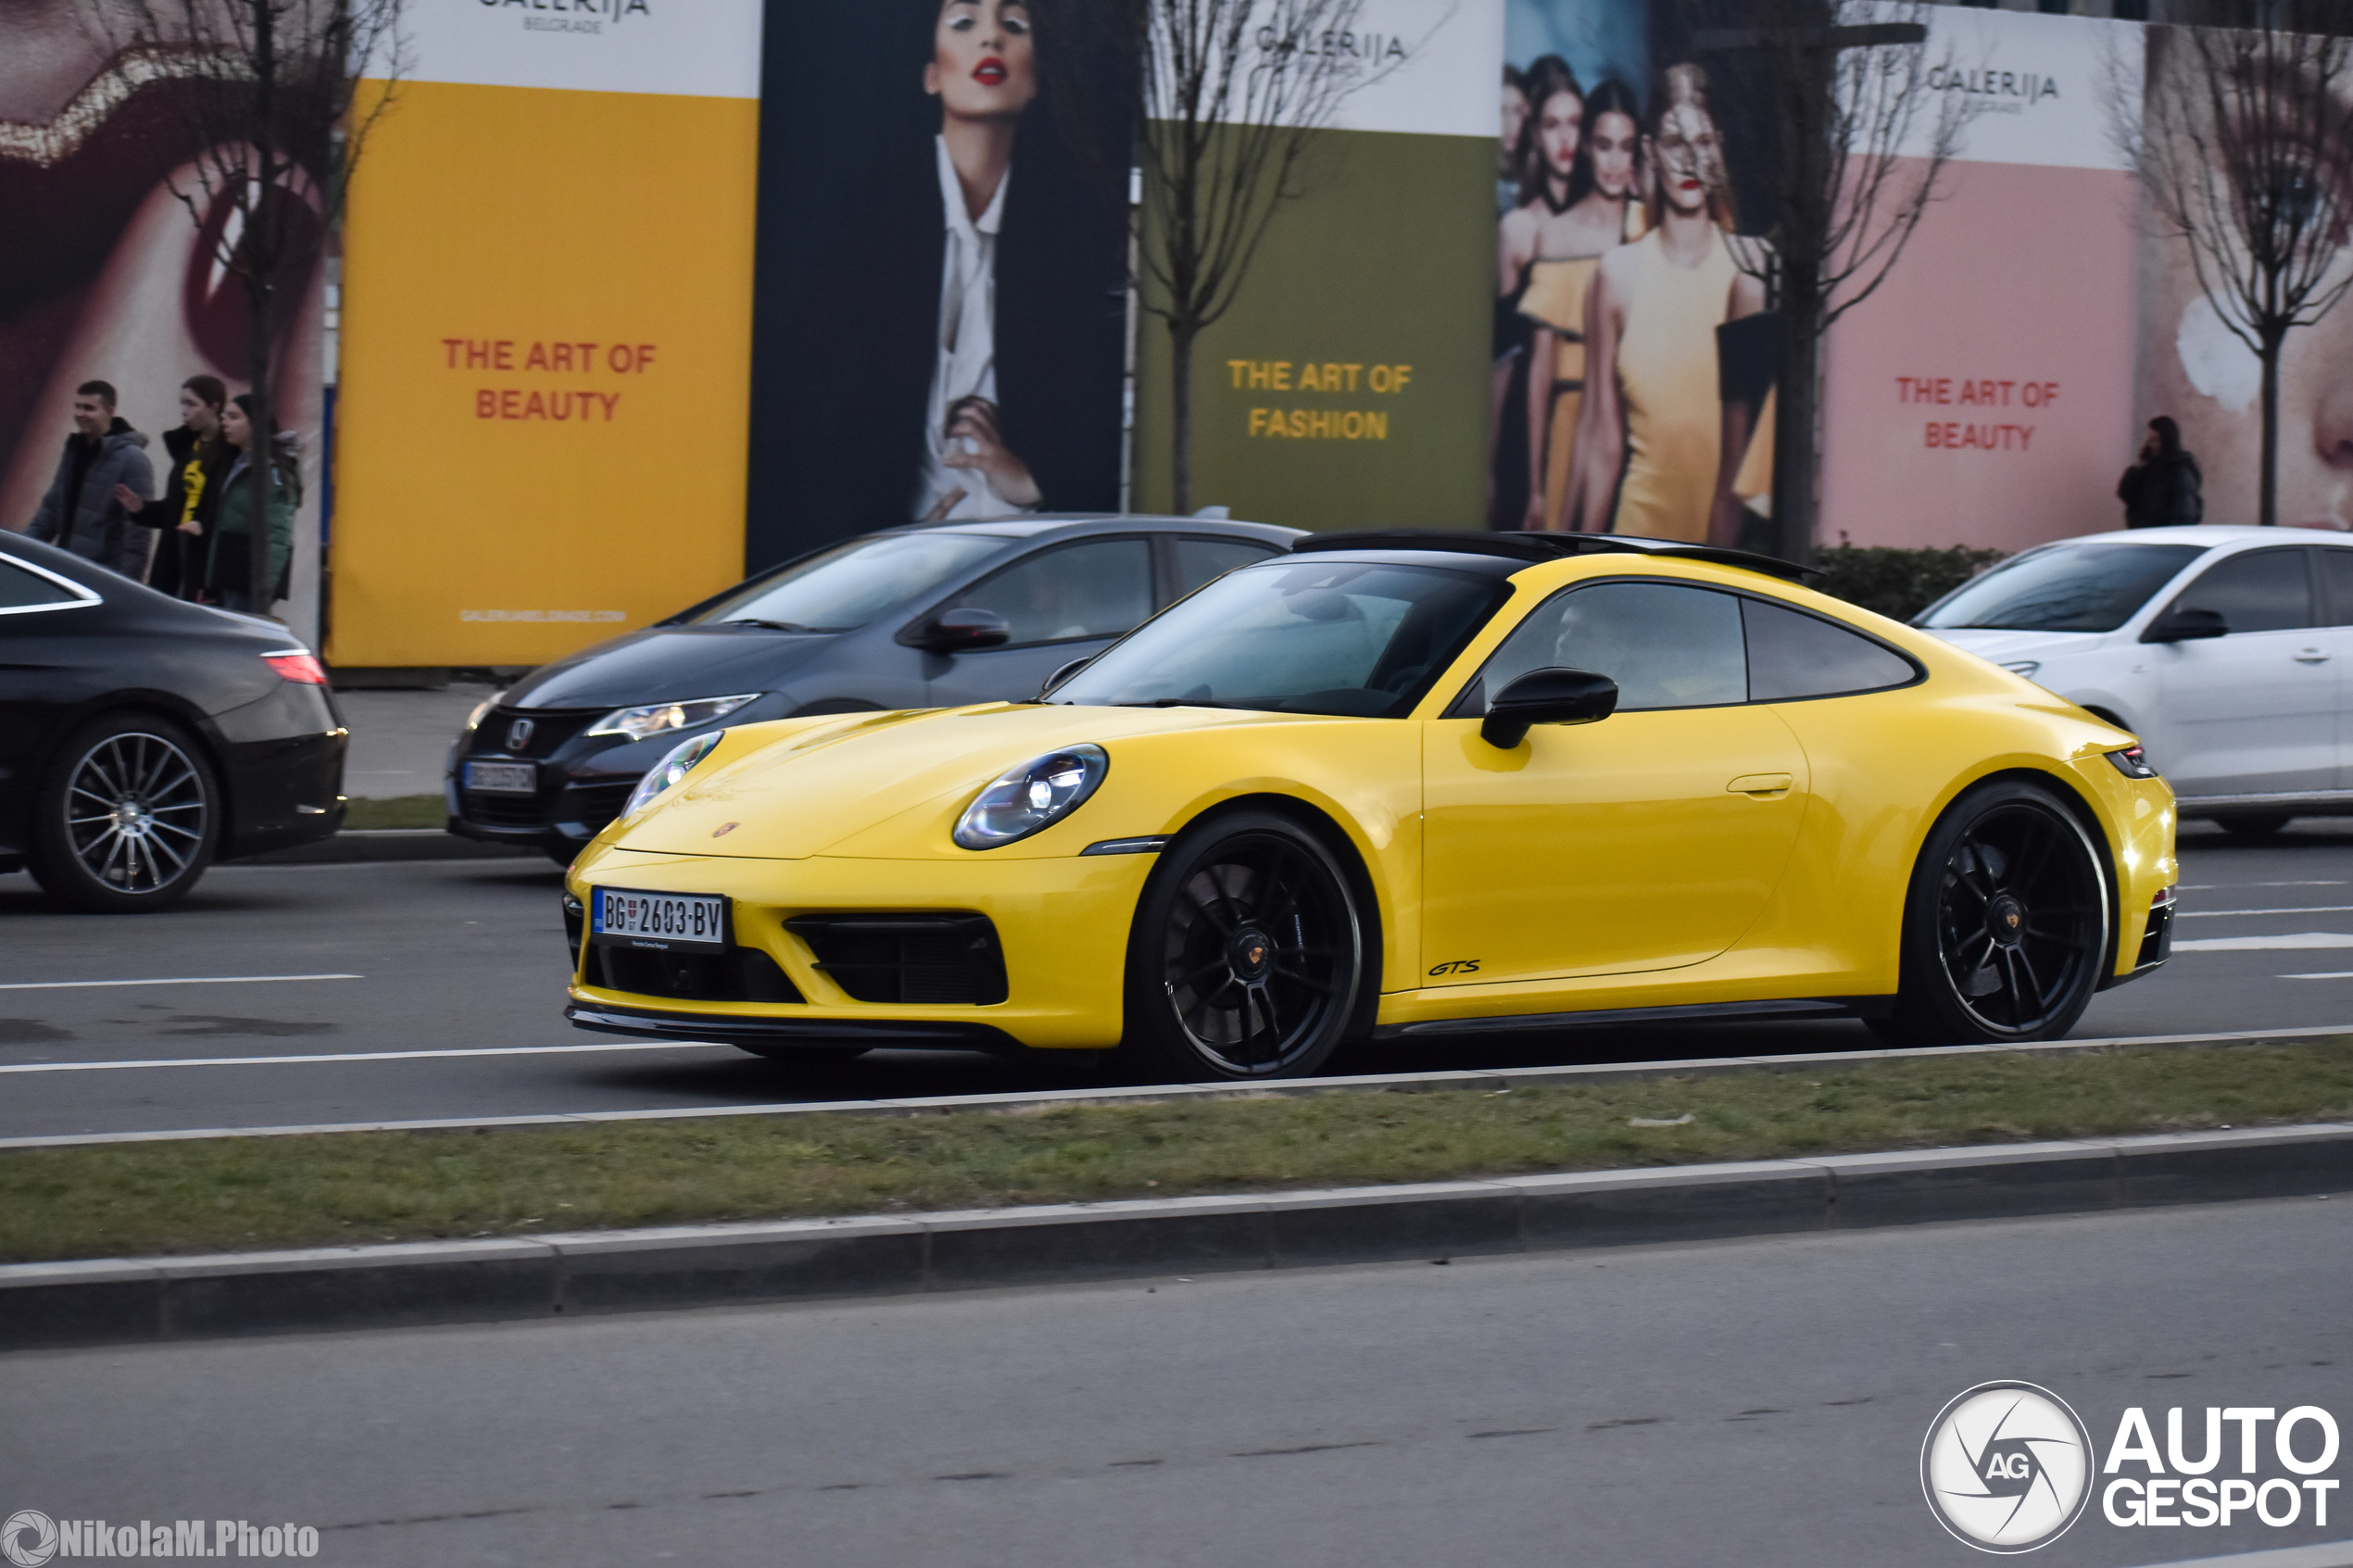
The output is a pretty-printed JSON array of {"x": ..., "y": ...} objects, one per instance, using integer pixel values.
[
  {"x": 1650, "y": 441},
  {"x": 1577, "y": 202},
  {"x": 953, "y": 343}
]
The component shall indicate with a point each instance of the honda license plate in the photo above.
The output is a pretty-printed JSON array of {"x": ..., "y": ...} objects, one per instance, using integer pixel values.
[
  {"x": 690, "y": 921},
  {"x": 502, "y": 778}
]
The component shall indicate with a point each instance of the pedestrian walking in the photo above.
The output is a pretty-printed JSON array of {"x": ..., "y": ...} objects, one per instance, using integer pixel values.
[
  {"x": 83, "y": 511},
  {"x": 2165, "y": 488},
  {"x": 182, "y": 517},
  {"x": 257, "y": 500}
]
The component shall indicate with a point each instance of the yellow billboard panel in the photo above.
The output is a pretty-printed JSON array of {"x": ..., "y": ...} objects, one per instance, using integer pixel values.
[{"x": 546, "y": 357}]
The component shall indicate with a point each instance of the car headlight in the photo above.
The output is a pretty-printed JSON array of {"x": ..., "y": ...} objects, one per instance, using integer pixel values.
[
  {"x": 2132, "y": 762},
  {"x": 656, "y": 718},
  {"x": 1021, "y": 800},
  {"x": 669, "y": 770},
  {"x": 482, "y": 711},
  {"x": 2025, "y": 667}
]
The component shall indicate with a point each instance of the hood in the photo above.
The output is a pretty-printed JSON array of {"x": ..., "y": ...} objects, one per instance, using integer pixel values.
[
  {"x": 669, "y": 664},
  {"x": 2010, "y": 647},
  {"x": 818, "y": 782}
]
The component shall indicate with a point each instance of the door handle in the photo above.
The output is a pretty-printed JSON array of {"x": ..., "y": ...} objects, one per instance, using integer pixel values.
[
  {"x": 1760, "y": 783},
  {"x": 2311, "y": 655}
]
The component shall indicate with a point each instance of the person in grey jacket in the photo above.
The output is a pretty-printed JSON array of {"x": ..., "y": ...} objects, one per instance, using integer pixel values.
[{"x": 81, "y": 512}]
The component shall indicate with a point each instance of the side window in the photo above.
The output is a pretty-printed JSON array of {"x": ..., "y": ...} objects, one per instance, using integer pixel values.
[
  {"x": 2260, "y": 591},
  {"x": 1204, "y": 561},
  {"x": 1664, "y": 645},
  {"x": 2336, "y": 572},
  {"x": 20, "y": 589},
  {"x": 1792, "y": 653},
  {"x": 1098, "y": 589}
]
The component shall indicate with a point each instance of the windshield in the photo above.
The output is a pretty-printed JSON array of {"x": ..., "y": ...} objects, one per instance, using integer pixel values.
[
  {"x": 2065, "y": 588},
  {"x": 841, "y": 589},
  {"x": 1310, "y": 637}
]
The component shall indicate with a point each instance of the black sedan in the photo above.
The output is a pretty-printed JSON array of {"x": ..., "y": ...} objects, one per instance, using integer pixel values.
[
  {"x": 141, "y": 738},
  {"x": 926, "y": 617}
]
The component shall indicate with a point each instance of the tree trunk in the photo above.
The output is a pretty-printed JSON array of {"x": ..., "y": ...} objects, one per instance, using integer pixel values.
[
  {"x": 1798, "y": 403},
  {"x": 2266, "y": 512},
  {"x": 1180, "y": 392}
]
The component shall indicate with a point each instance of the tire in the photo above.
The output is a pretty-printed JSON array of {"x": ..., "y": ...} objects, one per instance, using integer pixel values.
[
  {"x": 2252, "y": 824},
  {"x": 128, "y": 819},
  {"x": 2006, "y": 925},
  {"x": 1247, "y": 960}
]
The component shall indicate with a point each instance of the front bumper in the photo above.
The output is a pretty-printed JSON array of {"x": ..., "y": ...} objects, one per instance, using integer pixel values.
[{"x": 1062, "y": 925}]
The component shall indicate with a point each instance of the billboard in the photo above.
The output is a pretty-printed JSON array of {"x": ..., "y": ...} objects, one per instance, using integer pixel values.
[{"x": 547, "y": 306}]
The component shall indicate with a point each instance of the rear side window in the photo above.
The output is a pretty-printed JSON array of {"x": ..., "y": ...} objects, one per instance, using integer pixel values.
[
  {"x": 1664, "y": 645},
  {"x": 2260, "y": 591},
  {"x": 1205, "y": 560},
  {"x": 1103, "y": 588},
  {"x": 2336, "y": 576},
  {"x": 1793, "y": 655},
  {"x": 20, "y": 589}
]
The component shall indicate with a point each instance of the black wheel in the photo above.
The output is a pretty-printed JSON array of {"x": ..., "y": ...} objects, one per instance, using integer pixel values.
[
  {"x": 1247, "y": 955},
  {"x": 128, "y": 819},
  {"x": 2252, "y": 824},
  {"x": 2005, "y": 928}
]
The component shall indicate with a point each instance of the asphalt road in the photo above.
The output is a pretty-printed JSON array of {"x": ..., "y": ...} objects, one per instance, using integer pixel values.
[
  {"x": 1756, "y": 1402},
  {"x": 450, "y": 999}
]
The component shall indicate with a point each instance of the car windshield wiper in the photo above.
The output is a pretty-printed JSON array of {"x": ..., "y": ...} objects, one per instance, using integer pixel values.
[
  {"x": 771, "y": 625},
  {"x": 1178, "y": 702}
]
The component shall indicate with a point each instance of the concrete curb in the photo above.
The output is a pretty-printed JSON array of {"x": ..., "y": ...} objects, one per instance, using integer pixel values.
[
  {"x": 1491, "y": 1079},
  {"x": 128, "y": 1300},
  {"x": 353, "y": 845}
]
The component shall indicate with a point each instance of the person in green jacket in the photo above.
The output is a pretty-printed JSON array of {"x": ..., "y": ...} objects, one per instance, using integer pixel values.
[{"x": 229, "y": 570}]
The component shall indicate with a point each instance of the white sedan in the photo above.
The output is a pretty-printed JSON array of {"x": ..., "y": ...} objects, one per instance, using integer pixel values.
[{"x": 2225, "y": 650}]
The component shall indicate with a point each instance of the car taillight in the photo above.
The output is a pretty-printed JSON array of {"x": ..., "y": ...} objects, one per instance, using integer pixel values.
[{"x": 297, "y": 664}]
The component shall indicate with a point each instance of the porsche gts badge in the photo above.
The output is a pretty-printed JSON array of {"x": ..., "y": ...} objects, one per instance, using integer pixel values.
[{"x": 1459, "y": 966}]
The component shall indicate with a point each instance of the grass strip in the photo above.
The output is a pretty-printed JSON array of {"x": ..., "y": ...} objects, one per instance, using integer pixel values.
[
  {"x": 217, "y": 1195},
  {"x": 399, "y": 812}
]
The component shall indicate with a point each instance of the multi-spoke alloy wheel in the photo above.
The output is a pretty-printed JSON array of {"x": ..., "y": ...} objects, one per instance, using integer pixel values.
[
  {"x": 2007, "y": 926},
  {"x": 1247, "y": 955},
  {"x": 128, "y": 819}
]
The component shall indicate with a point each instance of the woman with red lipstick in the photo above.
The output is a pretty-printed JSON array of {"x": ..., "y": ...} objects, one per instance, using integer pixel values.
[{"x": 1651, "y": 437}]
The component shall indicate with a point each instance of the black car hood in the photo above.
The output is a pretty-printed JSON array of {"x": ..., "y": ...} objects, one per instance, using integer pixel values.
[{"x": 668, "y": 664}]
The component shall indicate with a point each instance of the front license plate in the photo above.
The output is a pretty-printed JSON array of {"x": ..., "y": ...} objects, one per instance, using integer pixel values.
[
  {"x": 502, "y": 778},
  {"x": 688, "y": 921}
]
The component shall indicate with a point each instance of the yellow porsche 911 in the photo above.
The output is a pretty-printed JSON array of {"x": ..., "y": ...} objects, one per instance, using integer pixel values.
[{"x": 1400, "y": 783}]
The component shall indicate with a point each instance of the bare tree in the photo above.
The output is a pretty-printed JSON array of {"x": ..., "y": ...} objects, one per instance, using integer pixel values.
[
  {"x": 1234, "y": 92},
  {"x": 266, "y": 115},
  {"x": 2244, "y": 145},
  {"x": 1853, "y": 137}
]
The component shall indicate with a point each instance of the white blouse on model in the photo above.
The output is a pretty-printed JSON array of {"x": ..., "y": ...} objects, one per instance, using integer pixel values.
[{"x": 967, "y": 347}]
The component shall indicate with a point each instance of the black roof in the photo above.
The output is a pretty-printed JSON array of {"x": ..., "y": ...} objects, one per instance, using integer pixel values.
[{"x": 1534, "y": 547}]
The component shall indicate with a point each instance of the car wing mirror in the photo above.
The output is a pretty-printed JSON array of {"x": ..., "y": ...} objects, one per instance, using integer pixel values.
[
  {"x": 2181, "y": 625},
  {"x": 960, "y": 631},
  {"x": 1064, "y": 673},
  {"x": 1547, "y": 696}
]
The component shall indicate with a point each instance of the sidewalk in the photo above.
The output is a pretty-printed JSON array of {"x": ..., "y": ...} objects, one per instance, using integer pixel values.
[{"x": 399, "y": 738}]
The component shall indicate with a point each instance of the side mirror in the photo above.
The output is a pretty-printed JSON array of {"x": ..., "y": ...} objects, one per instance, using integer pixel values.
[
  {"x": 960, "y": 631},
  {"x": 1547, "y": 696},
  {"x": 1064, "y": 673},
  {"x": 2186, "y": 626}
]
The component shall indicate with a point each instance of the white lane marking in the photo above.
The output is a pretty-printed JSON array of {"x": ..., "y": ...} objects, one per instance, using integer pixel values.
[
  {"x": 2226, "y": 886},
  {"x": 364, "y": 1056},
  {"x": 177, "y": 980},
  {"x": 2313, "y": 909},
  {"x": 2255, "y": 944},
  {"x": 2336, "y": 975}
]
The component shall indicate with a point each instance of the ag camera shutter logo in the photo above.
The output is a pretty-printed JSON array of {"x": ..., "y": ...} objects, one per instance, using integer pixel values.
[
  {"x": 2007, "y": 1467},
  {"x": 29, "y": 1538}
]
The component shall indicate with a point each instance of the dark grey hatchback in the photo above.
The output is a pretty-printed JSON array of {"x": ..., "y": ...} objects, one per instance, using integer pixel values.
[{"x": 926, "y": 617}]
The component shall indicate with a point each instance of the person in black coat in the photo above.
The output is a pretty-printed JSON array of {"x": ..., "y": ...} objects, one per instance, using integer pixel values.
[
  {"x": 2165, "y": 488},
  {"x": 953, "y": 346},
  {"x": 182, "y": 515}
]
